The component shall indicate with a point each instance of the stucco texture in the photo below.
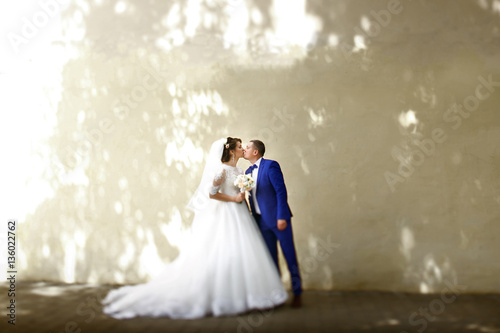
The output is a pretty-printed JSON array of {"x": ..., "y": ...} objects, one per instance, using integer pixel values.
[{"x": 382, "y": 114}]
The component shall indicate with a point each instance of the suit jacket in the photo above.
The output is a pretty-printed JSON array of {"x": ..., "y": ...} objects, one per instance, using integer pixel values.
[{"x": 271, "y": 194}]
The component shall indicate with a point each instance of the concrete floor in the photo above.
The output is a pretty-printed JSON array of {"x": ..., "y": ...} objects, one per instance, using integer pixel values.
[{"x": 56, "y": 307}]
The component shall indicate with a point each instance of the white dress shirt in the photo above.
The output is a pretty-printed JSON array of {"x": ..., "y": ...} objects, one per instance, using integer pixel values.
[{"x": 255, "y": 174}]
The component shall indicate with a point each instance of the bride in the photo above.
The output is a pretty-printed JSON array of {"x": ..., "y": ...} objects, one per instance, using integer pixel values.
[{"x": 225, "y": 269}]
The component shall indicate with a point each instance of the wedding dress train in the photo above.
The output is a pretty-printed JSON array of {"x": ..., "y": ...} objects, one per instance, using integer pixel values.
[{"x": 226, "y": 269}]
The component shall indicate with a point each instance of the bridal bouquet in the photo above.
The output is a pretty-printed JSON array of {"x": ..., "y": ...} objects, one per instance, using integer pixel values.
[{"x": 244, "y": 182}]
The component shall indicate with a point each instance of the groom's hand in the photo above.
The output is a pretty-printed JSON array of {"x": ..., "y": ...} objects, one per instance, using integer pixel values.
[{"x": 281, "y": 224}]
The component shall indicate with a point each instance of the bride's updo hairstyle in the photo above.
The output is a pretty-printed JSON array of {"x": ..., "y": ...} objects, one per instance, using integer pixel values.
[{"x": 229, "y": 145}]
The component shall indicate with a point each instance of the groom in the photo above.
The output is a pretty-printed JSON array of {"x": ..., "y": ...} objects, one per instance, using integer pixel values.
[{"x": 268, "y": 201}]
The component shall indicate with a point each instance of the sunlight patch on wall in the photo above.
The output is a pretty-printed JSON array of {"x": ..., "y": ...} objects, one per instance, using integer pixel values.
[
  {"x": 424, "y": 288},
  {"x": 27, "y": 154},
  {"x": 256, "y": 16},
  {"x": 297, "y": 27},
  {"x": 205, "y": 101},
  {"x": 126, "y": 258},
  {"x": 120, "y": 7},
  {"x": 183, "y": 155},
  {"x": 435, "y": 273},
  {"x": 407, "y": 242},
  {"x": 194, "y": 20},
  {"x": 118, "y": 277},
  {"x": 30, "y": 80},
  {"x": 176, "y": 109},
  {"x": 483, "y": 4},
  {"x": 46, "y": 250},
  {"x": 365, "y": 23},
  {"x": 238, "y": 19},
  {"x": 118, "y": 207},
  {"x": 432, "y": 269},
  {"x": 408, "y": 118},
  {"x": 69, "y": 261},
  {"x": 80, "y": 239},
  {"x": 333, "y": 40},
  {"x": 149, "y": 259},
  {"x": 174, "y": 231},
  {"x": 289, "y": 38},
  {"x": 317, "y": 117},
  {"x": 173, "y": 17},
  {"x": 496, "y": 6},
  {"x": 359, "y": 43}
]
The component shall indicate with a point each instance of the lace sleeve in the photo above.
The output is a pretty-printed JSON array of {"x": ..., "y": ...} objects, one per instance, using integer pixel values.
[{"x": 219, "y": 178}]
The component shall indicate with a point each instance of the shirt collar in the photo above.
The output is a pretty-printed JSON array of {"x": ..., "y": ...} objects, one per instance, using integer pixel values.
[{"x": 258, "y": 162}]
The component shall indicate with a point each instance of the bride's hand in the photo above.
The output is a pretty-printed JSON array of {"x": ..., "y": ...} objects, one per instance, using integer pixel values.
[{"x": 240, "y": 197}]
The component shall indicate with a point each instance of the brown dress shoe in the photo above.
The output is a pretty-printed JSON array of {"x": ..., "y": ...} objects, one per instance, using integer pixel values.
[{"x": 297, "y": 302}]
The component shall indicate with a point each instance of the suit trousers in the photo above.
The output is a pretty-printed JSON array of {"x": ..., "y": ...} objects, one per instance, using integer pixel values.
[{"x": 285, "y": 237}]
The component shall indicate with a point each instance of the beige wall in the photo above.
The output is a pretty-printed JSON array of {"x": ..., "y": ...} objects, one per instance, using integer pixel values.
[{"x": 339, "y": 122}]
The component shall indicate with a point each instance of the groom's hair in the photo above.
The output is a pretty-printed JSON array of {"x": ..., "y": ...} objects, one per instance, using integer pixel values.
[{"x": 259, "y": 145}]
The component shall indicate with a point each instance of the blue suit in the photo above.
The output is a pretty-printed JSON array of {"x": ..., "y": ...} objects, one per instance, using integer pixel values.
[{"x": 272, "y": 198}]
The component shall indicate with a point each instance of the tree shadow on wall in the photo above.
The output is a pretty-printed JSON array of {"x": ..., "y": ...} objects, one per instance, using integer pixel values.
[{"x": 148, "y": 93}]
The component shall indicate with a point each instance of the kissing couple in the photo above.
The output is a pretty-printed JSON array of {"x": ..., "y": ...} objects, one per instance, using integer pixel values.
[{"x": 230, "y": 264}]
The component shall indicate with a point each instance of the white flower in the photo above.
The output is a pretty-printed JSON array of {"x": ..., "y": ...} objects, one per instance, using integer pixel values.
[{"x": 244, "y": 182}]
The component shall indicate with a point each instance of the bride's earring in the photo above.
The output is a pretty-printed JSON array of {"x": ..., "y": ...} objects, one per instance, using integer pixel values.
[{"x": 233, "y": 157}]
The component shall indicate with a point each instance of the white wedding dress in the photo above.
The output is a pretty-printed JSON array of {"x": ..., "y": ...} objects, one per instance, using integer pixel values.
[{"x": 225, "y": 270}]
